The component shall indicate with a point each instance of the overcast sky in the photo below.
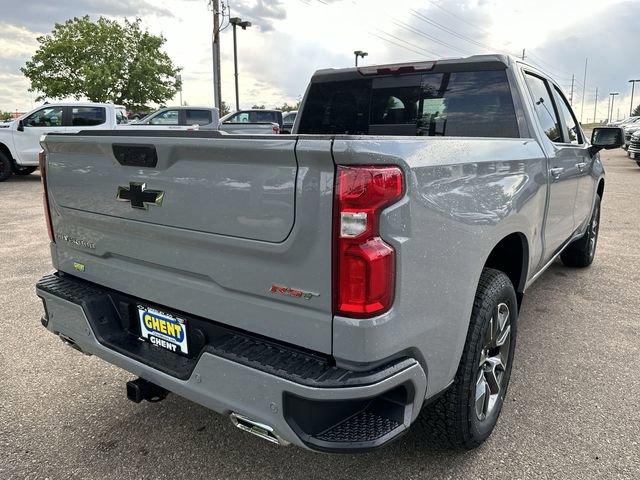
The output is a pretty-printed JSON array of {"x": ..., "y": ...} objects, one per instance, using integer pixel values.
[{"x": 291, "y": 39}]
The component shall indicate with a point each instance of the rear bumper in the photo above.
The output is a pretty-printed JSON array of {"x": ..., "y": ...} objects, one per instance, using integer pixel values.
[{"x": 304, "y": 398}]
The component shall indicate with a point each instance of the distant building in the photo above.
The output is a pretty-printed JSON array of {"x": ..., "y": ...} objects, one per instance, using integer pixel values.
[{"x": 15, "y": 115}]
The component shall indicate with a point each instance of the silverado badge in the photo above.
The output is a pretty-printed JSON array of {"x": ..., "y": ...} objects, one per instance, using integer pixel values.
[{"x": 139, "y": 196}]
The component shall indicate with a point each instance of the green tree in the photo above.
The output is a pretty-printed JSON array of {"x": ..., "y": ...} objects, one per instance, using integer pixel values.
[
  {"x": 5, "y": 116},
  {"x": 258, "y": 107},
  {"x": 103, "y": 61},
  {"x": 288, "y": 108},
  {"x": 224, "y": 109},
  {"x": 636, "y": 112}
]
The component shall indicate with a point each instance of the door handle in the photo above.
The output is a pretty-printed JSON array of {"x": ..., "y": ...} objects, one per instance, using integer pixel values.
[
  {"x": 581, "y": 166},
  {"x": 556, "y": 172}
]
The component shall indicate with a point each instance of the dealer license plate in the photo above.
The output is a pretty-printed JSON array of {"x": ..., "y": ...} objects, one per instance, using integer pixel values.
[{"x": 163, "y": 329}]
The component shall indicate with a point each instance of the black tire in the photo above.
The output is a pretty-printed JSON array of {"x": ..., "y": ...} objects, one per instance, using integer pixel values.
[
  {"x": 23, "y": 170},
  {"x": 452, "y": 420},
  {"x": 5, "y": 167},
  {"x": 581, "y": 252},
  {"x": 638, "y": 162}
]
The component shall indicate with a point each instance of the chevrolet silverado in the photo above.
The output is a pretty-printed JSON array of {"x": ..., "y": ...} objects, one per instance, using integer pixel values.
[{"x": 333, "y": 287}]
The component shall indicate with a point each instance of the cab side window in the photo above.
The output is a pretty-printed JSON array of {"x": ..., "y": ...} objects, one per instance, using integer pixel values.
[
  {"x": 241, "y": 117},
  {"x": 545, "y": 110},
  {"x": 573, "y": 132},
  {"x": 45, "y": 117},
  {"x": 168, "y": 117}
]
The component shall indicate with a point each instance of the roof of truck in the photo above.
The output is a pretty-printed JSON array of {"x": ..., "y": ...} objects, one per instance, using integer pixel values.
[{"x": 488, "y": 61}]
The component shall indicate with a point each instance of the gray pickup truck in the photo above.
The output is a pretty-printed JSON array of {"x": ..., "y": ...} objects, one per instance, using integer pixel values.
[{"x": 332, "y": 287}]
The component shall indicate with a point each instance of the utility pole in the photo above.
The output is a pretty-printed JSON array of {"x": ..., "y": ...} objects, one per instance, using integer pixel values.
[
  {"x": 359, "y": 53},
  {"x": 584, "y": 87},
  {"x": 613, "y": 96},
  {"x": 633, "y": 84},
  {"x": 215, "y": 49},
  {"x": 179, "y": 78},
  {"x": 595, "y": 107},
  {"x": 573, "y": 79},
  {"x": 237, "y": 22},
  {"x": 523, "y": 54}
]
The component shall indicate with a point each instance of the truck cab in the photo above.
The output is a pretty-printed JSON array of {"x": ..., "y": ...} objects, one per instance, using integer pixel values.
[{"x": 20, "y": 139}]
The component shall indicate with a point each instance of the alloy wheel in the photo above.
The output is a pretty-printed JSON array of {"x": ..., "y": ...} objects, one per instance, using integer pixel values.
[{"x": 493, "y": 362}]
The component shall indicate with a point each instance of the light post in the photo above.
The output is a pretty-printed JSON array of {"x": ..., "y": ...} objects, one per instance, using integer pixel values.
[
  {"x": 633, "y": 84},
  {"x": 359, "y": 53},
  {"x": 613, "y": 97},
  {"x": 237, "y": 22}
]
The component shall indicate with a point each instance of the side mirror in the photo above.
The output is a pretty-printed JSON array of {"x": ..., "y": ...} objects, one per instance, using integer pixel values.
[
  {"x": 606, "y": 138},
  {"x": 20, "y": 126}
]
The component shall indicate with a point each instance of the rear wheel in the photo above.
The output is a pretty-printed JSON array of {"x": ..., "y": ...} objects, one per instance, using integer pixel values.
[
  {"x": 465, "y": 415},
  {"x": 638, "y": 162},
  {"x": 5, "y": 167},
  {"x": 23, "y": 170},
  {"x": 582, "y": 251}
]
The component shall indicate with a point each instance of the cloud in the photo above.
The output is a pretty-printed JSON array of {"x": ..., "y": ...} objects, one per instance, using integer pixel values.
[
  {"x": 40, "y": 15},
  {"x": 262, "y": 13}
]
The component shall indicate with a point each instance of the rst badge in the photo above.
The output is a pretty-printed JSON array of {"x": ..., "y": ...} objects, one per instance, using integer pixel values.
[{"x": 292, "y": 292}]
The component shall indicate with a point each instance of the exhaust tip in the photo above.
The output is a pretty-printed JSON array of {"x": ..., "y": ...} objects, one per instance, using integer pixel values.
[{"x": 258, "y": 429}]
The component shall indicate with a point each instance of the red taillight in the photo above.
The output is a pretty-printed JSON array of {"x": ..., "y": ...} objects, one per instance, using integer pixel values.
[
  {"x": 365, "y": 264},
  {"x": 45, "y": 197}
]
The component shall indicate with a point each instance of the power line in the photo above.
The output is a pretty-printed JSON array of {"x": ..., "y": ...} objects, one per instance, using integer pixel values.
[
  {"x": 420, "y": 16},
  {"x": 394, "y": 43},
  {"x": 430, "y": 37},
  {"x": 459, "y": 18}
]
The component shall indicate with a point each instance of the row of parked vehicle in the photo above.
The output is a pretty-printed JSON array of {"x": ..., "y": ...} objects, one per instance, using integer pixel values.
[
  {"x": 631, "y": 128},
  {"x": 20, "y": 139}
]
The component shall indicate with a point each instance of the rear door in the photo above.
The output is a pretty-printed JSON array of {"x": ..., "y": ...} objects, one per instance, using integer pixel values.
[
  {"x": 86, "y": 118},
  {"x": 562, "y": 170},
  {"x": 235, "y": 230},
  {"x": 575, "y": 144},
  {"x": 48, "y": 119}
]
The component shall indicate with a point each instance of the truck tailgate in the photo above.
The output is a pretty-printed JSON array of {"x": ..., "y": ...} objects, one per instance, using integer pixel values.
[{"x": 208, "y": 231}]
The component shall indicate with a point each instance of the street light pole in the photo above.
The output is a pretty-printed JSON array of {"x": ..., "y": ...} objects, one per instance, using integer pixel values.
[
  {"x": 237, "y": 22},
  {"x": 359, "y": 53},
  {"x": 633, "y": 84}
]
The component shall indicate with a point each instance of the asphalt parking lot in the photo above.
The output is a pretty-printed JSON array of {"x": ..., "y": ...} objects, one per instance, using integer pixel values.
[{"x": 573, "y": 408}]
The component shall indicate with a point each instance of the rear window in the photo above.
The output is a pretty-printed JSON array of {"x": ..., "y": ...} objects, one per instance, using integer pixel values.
[
  {"x": 457, "y": 104},
  {"x": 88, "y": 116}
]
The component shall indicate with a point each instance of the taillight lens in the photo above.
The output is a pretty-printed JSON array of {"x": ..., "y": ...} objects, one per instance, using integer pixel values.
[
  {"x": 42, "y": 161},
  {"x": 365, "y": 264}
]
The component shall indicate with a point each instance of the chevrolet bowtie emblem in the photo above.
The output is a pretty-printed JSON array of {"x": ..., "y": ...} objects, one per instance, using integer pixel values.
[{"x": 139, "y": 196}]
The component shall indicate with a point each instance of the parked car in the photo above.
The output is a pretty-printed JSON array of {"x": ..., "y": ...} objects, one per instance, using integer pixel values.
[
  {"x": 20, "y": 139},
  {"x": 629, "y": 130},
  {"x": 622, "y": 123},
  {"x": 254, "y": 122},
  {"x": 206, "y": 118},
  {"x": 634, "y": 147},
  {"x": 330, "y": 288},
  {"x": 288, "y": 119}
]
